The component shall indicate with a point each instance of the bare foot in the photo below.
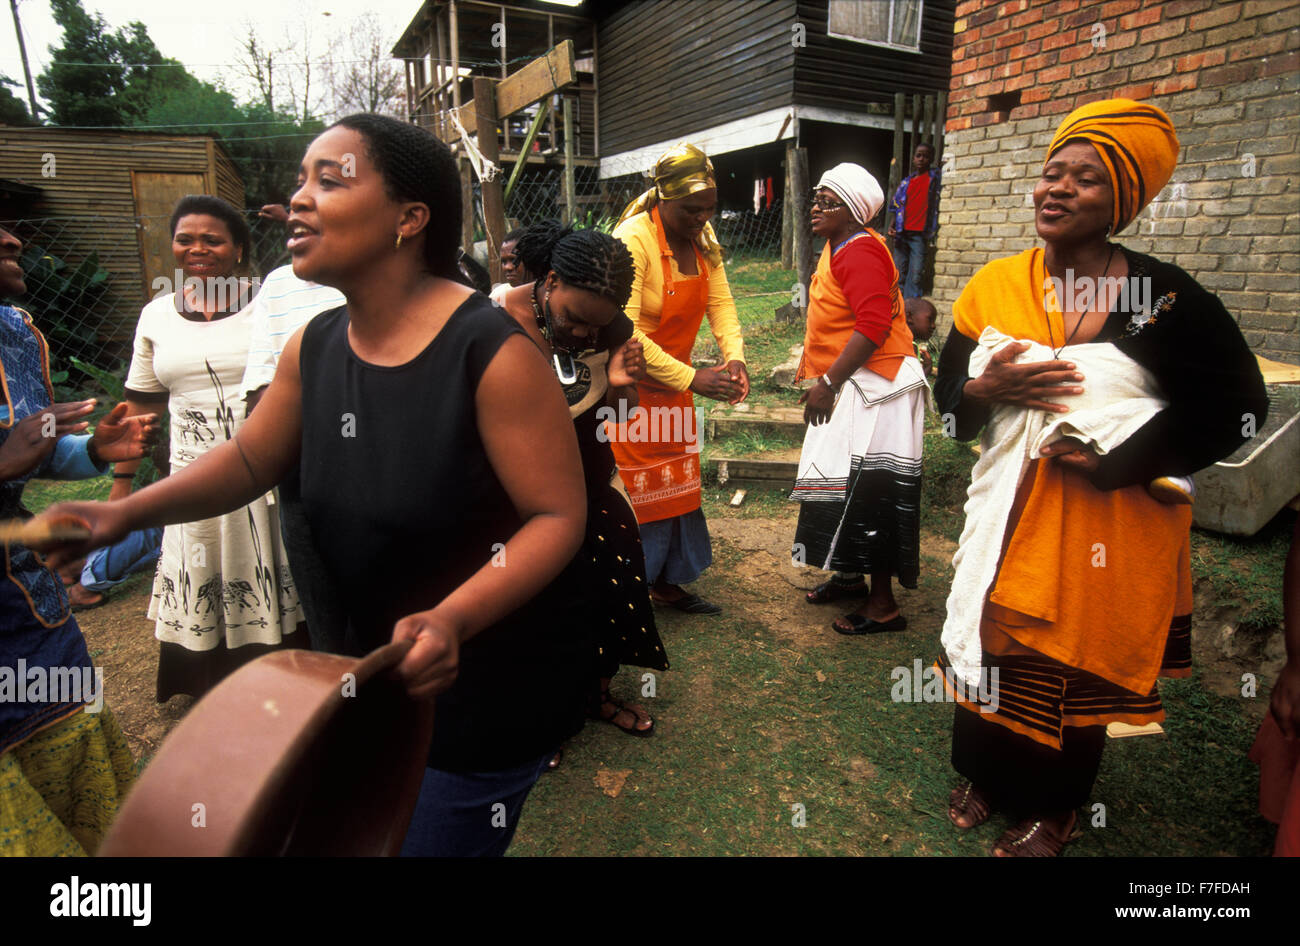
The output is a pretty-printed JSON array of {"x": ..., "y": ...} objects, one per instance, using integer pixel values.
[{"x": 83, "y": 597}]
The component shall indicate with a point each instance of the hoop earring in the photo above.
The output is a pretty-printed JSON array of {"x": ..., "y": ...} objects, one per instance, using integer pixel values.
[{"x": 398, "y": 244}]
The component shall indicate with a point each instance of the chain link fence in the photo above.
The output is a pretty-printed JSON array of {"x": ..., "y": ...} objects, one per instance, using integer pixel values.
[
  {"x": 85, "y": 289},
  {"x": 85, "y": 285}
]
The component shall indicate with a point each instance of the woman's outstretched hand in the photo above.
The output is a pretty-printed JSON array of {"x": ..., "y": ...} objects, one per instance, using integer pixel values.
[
  {"x": 431, "y": 665},
  {"x": 1072, "y": 453},
  {"x": 119, "y": 438},
  {"x": 1029, "y": 385}
]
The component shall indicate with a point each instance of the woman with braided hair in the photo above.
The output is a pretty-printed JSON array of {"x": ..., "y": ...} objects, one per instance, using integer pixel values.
[
  {"x": 574, "y": 312},
  {"x": 461, "y": 539}
]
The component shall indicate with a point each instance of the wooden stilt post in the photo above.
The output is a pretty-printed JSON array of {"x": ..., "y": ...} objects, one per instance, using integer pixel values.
[
  {"x": 570, "y": 192},
  {"x": 494, "y": 213},
  {"x": 802, "y": 236},
  {"x": 789, "y": 208}
]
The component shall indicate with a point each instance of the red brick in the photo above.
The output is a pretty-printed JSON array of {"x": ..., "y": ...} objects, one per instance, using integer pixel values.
[
  {"x": 1118, "y": 7},
  {"x": 1062, "y": 7},
  {"x": 1039, "y": 93},
  {"x": 1184, "y": 7},
  {"x": 1215, "y": 16},
  {"x": 1121, "y": 39},
  {"x": 983, "y": 118},
  {"x": 1143, "y": 90},
  {"x": 1009, "y": 39},
  {"x": 1020, "y": 82},
  {"x": 1076, "y": 52},
  {"x": 961, "y": 68},
  {"x": 1258, "y": 48},
  {"x": 1012, "y": 7},
  {"x": 989, "y": 60},
  {"x": 989, "y": 88},
  {"x": 1023, "y": 111},
  {"x": 1165, "y": 30},
  {"x": 1054, "y": 74},
  {"x": 1202, "y": 60},
  {"x": 1091, "y": 65},
  {"x": 1007, "y": 70},
  {"x": 1039, "y": 30},
  {"x": 1057, "y": 106},
  {"x": 1041, "y": 61},
  {"x": 1142, "y": 18},
  {"x": 994, "y": 28},
  {"x": 1085, "y": 17},
  {"x": 1276, "y": 64},
  {"x": 1024, "y": 49},
  {"x": 956, "y": 124},
  {"x": 1177, "y": 83},
  {"x": 1059, "y": 40},
  {"x": 1231, "y": 74},
  {"x": 1029, "y": 17},
  {"x": 968, "y": 7}
]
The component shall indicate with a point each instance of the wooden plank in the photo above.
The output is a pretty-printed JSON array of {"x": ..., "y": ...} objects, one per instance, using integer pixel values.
[
  {"x": 803, "y": 251},
  {"x": 543, "y": 76}
]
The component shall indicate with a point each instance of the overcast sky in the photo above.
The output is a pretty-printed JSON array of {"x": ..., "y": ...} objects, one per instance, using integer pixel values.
[{"x": 204, "y": 36}]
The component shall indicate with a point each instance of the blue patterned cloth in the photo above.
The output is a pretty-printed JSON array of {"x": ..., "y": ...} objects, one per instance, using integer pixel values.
[{"x": 37, "y": 631}]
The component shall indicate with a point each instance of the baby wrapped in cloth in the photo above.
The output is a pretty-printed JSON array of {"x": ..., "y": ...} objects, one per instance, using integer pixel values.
[{"x": 1119, "y": 397}]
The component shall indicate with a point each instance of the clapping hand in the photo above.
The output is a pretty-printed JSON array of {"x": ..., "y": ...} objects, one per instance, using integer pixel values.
[
  {"x": 627, "y": 365},
  {"x": 119, "y": 438},
  {"x": 33, "y": 438}
]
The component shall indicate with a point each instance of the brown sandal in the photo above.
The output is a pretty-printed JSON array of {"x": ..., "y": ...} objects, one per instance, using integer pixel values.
[
  {"x": 967, "y": 800},
  {"x": 1036, "y": 839}
]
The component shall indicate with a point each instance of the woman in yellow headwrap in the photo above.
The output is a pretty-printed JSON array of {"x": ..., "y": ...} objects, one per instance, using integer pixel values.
[
  {"x": 679, "y": 280},
  {"x": 1114, "y": 371}
]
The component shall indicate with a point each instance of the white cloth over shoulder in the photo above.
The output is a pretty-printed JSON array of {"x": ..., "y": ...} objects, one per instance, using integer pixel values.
[{"x": 1119, "y": 397}]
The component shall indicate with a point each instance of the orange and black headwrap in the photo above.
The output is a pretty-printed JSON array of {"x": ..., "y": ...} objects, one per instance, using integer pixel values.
[{"x": 1136, "y": 143}]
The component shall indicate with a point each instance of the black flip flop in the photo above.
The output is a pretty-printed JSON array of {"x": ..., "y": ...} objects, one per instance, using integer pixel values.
[
  {"x": 832, "y": 590},
  {"x": 863, "y": 625}
]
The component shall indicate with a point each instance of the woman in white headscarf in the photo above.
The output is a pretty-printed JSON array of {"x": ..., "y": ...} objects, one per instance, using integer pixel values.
[{"x": 860, "y": 471}]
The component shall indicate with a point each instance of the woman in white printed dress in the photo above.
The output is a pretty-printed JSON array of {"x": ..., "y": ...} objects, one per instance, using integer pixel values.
[{"x": 223, "y": 594}]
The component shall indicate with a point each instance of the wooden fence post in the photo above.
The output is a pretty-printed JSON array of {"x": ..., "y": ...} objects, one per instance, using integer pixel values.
[{"x": 494, "y": 213}]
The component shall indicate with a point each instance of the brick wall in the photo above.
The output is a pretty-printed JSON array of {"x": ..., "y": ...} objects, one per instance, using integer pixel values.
[{"x": 1227, "y": 74}]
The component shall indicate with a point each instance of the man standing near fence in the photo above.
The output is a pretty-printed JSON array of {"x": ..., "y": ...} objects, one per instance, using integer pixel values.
[{"x": 914, "y": 219}]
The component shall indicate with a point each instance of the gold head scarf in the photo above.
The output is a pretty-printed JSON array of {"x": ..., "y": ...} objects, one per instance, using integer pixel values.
[
  {"x": 681, "y": 171},
  {"x": 1135, "y": 142}
]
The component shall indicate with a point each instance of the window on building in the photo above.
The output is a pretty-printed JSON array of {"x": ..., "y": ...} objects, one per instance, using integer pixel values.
[{"x": 892, "y": 23}]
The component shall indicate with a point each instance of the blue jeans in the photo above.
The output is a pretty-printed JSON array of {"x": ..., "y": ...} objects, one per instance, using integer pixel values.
[
  {"x": 470, "y": 814},
  {"x": 109, "y": 566},
  {"x": 909, "y": 257}
]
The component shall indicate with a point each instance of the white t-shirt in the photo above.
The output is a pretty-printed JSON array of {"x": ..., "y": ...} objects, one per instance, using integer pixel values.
[{"x": 285, "y": 304}]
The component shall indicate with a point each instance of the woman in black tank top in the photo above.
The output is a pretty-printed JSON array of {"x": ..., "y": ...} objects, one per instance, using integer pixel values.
[{"x": 440, "y": 474}]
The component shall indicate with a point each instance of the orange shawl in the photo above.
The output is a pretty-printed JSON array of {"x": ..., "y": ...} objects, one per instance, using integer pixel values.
[{"x": 1089, "y": 578}]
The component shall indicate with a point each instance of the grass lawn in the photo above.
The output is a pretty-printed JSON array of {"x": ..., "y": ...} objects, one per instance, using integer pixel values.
[{"x": 776, "y": 736}]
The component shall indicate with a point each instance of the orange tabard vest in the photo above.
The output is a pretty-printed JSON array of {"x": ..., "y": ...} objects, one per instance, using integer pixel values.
[
  {"x": 831, "y": 320},
  {"x": 658, "y": 452}
]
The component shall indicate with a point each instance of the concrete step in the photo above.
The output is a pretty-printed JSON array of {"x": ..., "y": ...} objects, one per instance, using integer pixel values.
[
  {"x": 774, "y": 470},
  {"x": 727, "y": 420}
]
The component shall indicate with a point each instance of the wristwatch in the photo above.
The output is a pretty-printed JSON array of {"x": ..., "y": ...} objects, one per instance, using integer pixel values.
[{"x": 826, "y": 379}]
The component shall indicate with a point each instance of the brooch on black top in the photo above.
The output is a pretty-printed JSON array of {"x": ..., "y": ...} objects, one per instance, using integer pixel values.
[{"x": 1141, "y": 320}]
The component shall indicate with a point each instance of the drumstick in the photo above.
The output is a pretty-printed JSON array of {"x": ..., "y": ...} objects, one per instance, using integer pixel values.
[{"x": 35, "y": 533}]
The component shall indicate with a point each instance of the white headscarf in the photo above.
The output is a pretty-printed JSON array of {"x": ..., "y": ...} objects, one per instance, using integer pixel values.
[{"x": 857, "y": 188}]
